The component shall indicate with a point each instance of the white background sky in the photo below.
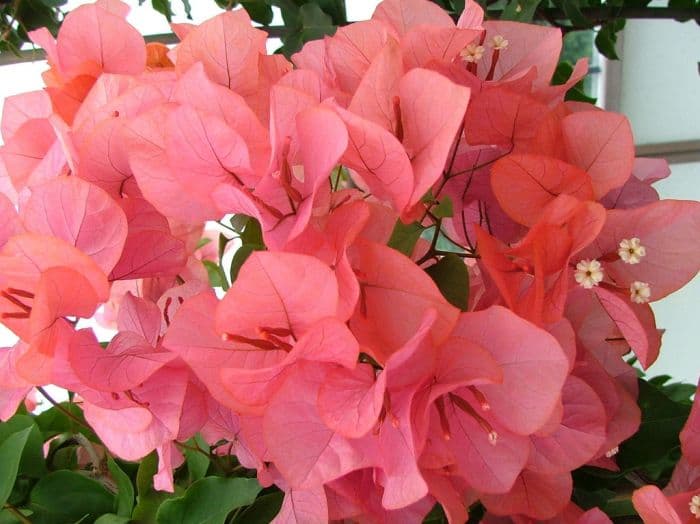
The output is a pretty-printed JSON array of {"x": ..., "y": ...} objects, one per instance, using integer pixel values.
[{"x": 660, "y": 89}]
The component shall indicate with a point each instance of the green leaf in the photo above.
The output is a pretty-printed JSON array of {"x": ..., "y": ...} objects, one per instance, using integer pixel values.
[
  {"x": 111, "y": 518},
  {"x": 209, "y": 501},
  {"x": 444, "y": 209},
  {"x": 262, "y": 511},
  {"x": 67, "y": 496},
  {"x": 259, "y": 11},
  {"x": 164, "y": 8},
  {"x": 32, "y": 463},
  {"x": 679, "y": 392},
  {"x": 573, "y": 13},
  {"x": 148, "y": 500},
  {"x": 606, "y": 38},
  {"x": 662, "y": 420},
  {"x": 197, "y": 462},
  {"x": 54, "y": 421},
  {"x": 520, "y": 10},
  {"x": 188, "y": 8},
  {"x": 202, "y": 242},
  {"x": 10, "y": 456},
  {"x": 452, "y": 278},
  {"x": 239, "y": 258},
  {"x": 238, "y": 223},
  {"x": 404, "y": 237},
  {"x": 223, "y": 241},
  {"x": 252, "y": 234},
  {"x": 125, "y": 490},
  {"x": 577, "y": 92},
  {"x": 217, "y": 277}
]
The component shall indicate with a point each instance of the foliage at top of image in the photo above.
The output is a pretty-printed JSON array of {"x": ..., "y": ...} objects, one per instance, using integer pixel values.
[{"x": 306, "y": 20}]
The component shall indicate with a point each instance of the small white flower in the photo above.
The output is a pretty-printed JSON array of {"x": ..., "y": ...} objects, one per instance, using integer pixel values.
[
  {"x": 631, "y": 251},
  {"x": 499, "y": 43},
  {"x": 588, "y": 273},
  {"x": 612, "y": 452},
  {"x": 695, "y": 506},
  {"x": 640, "y": 292},
  {"x": 472, "y": 53}
]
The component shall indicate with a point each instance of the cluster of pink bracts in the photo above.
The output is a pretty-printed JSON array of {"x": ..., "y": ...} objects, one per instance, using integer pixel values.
[{"x": 333, "y": 365}]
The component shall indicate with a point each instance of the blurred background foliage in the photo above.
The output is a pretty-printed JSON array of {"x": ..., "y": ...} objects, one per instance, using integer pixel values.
[{"x": 306, "y": 20}]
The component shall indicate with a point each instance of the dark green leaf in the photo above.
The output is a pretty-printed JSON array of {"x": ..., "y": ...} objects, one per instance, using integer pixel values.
[
  {"x": 223, "y": 241},
  {"x": 10, "y": 455},
  {"x": 252, "y": 234},
  {"x": 238, "y": 223},
  {"x": 662, "y": 420},
  {"x": 197, "y": 462},
  {"x": 148, "y": 499},
  {"x": 259, "y": 11},
  {"x": 262, "y": 511},
  {"x": 32, "y": 463},
  {"x": 452, "y": 278},
  {"x": 444, "y": 208},
  {"x": 125, "y": 489},
  {"x": 163, "y": 7},
  {"x": 573, "y": 12},
  {"x": 239, "y": 258},
  {"x": 606, "y": 38},
  {"x": 404, "y": 237},
  {"x": 577, "y": 92},
  {"x": 209, "y": 501},
  {"x": 188, "y": 8},
  {"x": 67, "y": 496}
]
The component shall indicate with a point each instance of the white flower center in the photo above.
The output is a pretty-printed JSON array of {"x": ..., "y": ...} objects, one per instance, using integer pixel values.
[
  {"x": 472, "y": 53},
  {"x": 588, "y": 273},
  {"x": 499, "y": 43},
  {"x": 631, "y": 251},
  {"x": 640, "y": 292},
  {"x": 695, "y": 506}
]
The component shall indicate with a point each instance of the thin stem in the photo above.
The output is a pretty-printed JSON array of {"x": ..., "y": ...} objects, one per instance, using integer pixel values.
[
  {"x": 58, "y": 406},
  {"x": 337, "y": 178},
  {"x": 192, "y": 448},
  {"x": 227, "y": 227},
  {"x": 17, "y": 513}
]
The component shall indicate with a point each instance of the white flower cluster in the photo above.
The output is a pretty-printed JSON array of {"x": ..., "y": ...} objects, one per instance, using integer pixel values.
[{"x": 589, "y": 273}]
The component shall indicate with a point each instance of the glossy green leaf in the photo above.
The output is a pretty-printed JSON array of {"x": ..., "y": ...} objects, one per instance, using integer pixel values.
[
  {"x": 452, "y": 278},
  {"x": 262, "y": 511},
  {"x": 125, "y": 489},
  {"x": 10, "y": 456},
  {"x": 209, "y": 501},
  {"x": 68, "y": 496}
]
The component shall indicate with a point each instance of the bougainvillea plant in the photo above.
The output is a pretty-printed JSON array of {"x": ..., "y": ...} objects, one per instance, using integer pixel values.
[{"x": 397, "y": 279}]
